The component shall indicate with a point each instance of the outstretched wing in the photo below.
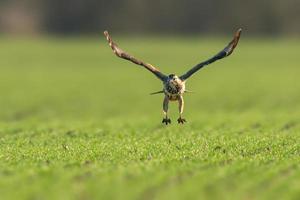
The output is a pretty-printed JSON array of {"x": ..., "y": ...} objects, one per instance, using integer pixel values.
[
  {"x": 122, "y": 54},
  {"x": 222, "y": 54}
]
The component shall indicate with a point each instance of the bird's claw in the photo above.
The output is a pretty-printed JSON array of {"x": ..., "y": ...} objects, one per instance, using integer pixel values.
[
  {"x": 181, "y": 120},
  {"x": 166, "y": 121}
]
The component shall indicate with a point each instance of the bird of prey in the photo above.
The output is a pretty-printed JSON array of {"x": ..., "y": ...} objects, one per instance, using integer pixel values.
[{"x": 173, "y": 85}]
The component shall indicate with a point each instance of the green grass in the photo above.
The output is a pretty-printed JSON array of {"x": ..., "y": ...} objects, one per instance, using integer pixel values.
[{"x": 78, "y": 123}]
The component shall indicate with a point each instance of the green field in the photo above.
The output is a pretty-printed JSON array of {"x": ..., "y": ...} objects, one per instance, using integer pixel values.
[{"x": 76, "y": 122}]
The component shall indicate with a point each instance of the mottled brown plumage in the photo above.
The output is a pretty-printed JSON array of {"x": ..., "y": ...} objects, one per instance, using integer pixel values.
[{"x": 174, "y": 86}]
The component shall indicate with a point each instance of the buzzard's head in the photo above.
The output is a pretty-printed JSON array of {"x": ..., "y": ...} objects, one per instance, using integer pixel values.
[{"x": 174, "y": 79}]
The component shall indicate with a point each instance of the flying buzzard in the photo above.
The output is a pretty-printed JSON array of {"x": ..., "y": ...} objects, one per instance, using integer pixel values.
[{"x": 173, "y": 85}]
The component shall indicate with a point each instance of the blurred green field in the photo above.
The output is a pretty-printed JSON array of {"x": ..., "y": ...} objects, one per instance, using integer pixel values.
[{"x": 76, "y": 122}]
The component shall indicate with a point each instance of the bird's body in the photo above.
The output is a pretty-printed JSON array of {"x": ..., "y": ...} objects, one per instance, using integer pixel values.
[{"x": 173, "y": 85}]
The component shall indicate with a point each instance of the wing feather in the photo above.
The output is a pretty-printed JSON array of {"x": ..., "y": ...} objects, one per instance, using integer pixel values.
[
  {"x": 222, "y": 54},
  {"x": 122, "y": 54}
]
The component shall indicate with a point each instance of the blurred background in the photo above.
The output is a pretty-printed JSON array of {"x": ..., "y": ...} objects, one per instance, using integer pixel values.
[
  {"x": 69, "y": 17},
  {"x": 55, "y": 61}
]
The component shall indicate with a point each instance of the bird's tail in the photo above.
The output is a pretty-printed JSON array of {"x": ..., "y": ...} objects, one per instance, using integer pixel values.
[
  {"x": 159, "y": 92},
  {"x": 187, "y": 91}
]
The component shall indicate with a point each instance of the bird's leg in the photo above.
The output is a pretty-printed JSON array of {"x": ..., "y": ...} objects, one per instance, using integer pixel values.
[
  {"x": 166, "y": 120},
  {"x": 181, "y": 106}
]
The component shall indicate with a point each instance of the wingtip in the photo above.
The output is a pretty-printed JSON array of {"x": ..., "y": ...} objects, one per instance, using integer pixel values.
[
  {"x": 105, "y": 32},
  {"x": 239, "y": 31}
]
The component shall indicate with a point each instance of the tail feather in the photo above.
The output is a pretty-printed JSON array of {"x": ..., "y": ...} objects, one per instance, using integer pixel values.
[
  {"x": 159, "y": 92},
  {"x": 187, "y": 91}
]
